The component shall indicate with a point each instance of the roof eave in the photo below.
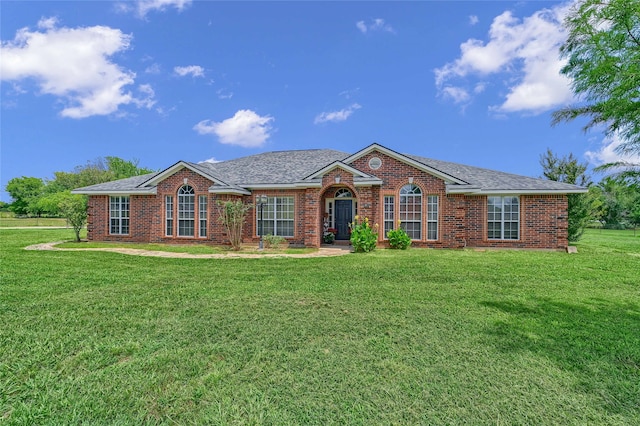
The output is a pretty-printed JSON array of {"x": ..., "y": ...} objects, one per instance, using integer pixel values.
[
  {"x": 479, "y": 191},
  {"x": 146, "y": 191}
]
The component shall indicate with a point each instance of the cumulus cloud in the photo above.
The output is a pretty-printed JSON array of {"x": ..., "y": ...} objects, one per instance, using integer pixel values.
[
  {"x": 608, "y": 153},
  {"x": 73, "y": 64},
  {"x": 192, "y": 70},
  {"x": 374, "y": 25},
  {"x": 524, "y": 53},
  {"x": 245, "y": 128},
  {"x": 336, "y": 116},
  {"x": 473, "y": 20}
]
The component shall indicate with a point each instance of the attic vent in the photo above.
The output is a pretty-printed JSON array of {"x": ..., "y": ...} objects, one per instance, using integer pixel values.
[{"x": 375, "y": 163}]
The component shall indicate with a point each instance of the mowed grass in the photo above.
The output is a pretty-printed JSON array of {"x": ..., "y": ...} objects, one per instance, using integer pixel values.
[
  {"x": 8, "y": 221},
  {"x": 412, "y": 337}
]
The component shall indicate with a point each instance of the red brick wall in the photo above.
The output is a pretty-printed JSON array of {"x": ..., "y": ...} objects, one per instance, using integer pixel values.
[{"x": 462, "y": 220}]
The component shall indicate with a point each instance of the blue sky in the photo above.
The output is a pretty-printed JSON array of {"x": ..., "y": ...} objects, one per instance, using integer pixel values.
[{"x": 166, "y": 80}]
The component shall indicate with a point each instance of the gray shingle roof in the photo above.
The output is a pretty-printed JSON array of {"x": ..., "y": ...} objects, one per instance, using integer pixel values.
[
  {"x": 277, "y": 167},
  {"x": 489, "y": 180},
  {"x": 288, "y": 167}
]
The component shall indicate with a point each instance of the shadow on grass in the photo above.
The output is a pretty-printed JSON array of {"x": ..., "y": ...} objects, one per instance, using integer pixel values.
[{"x": 598, "y": 341}]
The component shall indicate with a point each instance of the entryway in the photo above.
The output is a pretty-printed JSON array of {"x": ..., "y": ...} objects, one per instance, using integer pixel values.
[{"x": 343, "y": 217}]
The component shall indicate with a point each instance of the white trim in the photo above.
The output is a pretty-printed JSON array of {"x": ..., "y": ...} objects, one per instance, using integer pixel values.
[
  {"x": 150, "y": 191},
  {"x": 176, "y": 168},
  {"x": 477, "y": 191},
  {"x": 227, "y": 190},
  {"x": 403, "y": 158},
  {"x": 337, "y": 164}
]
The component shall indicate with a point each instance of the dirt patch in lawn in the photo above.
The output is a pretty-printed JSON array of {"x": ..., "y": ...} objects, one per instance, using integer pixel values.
[{"x": 322, "y": 252}]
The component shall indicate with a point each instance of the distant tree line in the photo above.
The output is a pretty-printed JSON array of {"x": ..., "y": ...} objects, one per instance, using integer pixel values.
[{"x": 33, "y": 196}]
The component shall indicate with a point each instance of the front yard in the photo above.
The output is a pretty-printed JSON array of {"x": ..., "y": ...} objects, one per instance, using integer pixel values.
[{"x": 390, "y": 337}]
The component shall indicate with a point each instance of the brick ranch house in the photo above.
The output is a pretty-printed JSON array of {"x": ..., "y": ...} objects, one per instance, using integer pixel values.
[{"x": 440, "y": 204}]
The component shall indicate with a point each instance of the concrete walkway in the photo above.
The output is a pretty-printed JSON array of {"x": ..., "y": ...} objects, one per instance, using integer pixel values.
[{"x": 322, "y": 252}]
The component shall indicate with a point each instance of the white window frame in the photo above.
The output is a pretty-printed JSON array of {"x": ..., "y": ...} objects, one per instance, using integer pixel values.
[
  {"x": 168, "y": 208},
  {"x": 432, "y": 217},
  {"x": 507, "y": 218},
  {"x": 389, "y": 206},
  {"x": 202, "y": 215},
  {"x": 119, "y": 215},
  {"x": 186, "y": 211},
  {"x": 278, "y": 212},
  {"x": 410, "y": 197}
]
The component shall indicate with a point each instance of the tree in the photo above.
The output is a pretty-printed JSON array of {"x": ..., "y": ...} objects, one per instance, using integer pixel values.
[
  {"x": 619, "y": 202},
  {"x": 232, "y": 215},
  {"x": 568, "y": 169},
  {"x": 74, "y": 209},
  {"x": 123, "y": 169},
  {"x": 24, "y": 191},
  {"x": 603, "y": 60}
]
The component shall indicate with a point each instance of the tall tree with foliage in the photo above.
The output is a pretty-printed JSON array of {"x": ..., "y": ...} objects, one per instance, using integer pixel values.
[
  {"x": 603, "y": 61},
  {"x": 25, "y": 192},
  {"x": 568, "y": 169}
]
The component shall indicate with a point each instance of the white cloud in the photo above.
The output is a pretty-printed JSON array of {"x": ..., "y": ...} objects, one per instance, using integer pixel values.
[
  {"x": 153, "y": 69},
  {"x": 473, "y": 20},
  {"x": 142, "y": 7},
  {"x": 456, "y": 94},
  {"x": 192, "y": 70},
  {"x": 336, "y": 116},
  {"x": 72, "y": 64},
  {"x": 377, "y": 24},
  {"x": 210, "y": 160},
  {"x": 524, "y": 53},
  {"x": 608, "y": 154},
  {"x": 245, "y": 128},
  {"x": 224, "y": 94}
]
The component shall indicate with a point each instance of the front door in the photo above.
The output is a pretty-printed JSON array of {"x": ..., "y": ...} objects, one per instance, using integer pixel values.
[{"x": 344, "y": 216}]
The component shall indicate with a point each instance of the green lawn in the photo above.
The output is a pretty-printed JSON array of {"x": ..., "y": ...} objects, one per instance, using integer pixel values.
[
  {"x": 415, "y": 337},
  {"x": 8, "y": 220}
]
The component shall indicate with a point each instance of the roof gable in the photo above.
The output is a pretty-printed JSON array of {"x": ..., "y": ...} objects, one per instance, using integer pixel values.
[
  {"x": 154, "y": 180},
  {"x": 407, "y": 160}
]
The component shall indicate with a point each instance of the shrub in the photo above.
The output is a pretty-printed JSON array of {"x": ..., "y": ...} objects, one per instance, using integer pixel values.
[
  {"x": 232, "y": 215},
  {"x": 398, "y": 239},
  {"x": 363, "y": 236},
  {"x": 271, "y": 241}
]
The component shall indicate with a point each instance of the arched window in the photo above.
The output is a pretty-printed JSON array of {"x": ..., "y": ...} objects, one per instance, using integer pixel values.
[
  {"x": 186, "y": 211},
  {"x": 343, "y": 193},
  {"x": 411, "y": 210}
]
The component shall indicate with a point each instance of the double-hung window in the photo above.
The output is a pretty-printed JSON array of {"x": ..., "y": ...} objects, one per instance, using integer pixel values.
[
  {"x": 432, "y": 217},
  {"x": 389, "y": 218},
  {"x": 503, "y": 217},
  {"x": 119, "y": 215},
  {"x": 278, "y": 217},
  {"x": 168, "y": 203},
  {"x": 202, "y": 214},
  {"x": 411, "y": 211},
  {"x": 186, "y": 211}
]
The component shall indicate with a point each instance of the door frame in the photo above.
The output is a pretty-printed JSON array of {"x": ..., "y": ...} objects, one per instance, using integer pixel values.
[{"x": 330, "y": 208}]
